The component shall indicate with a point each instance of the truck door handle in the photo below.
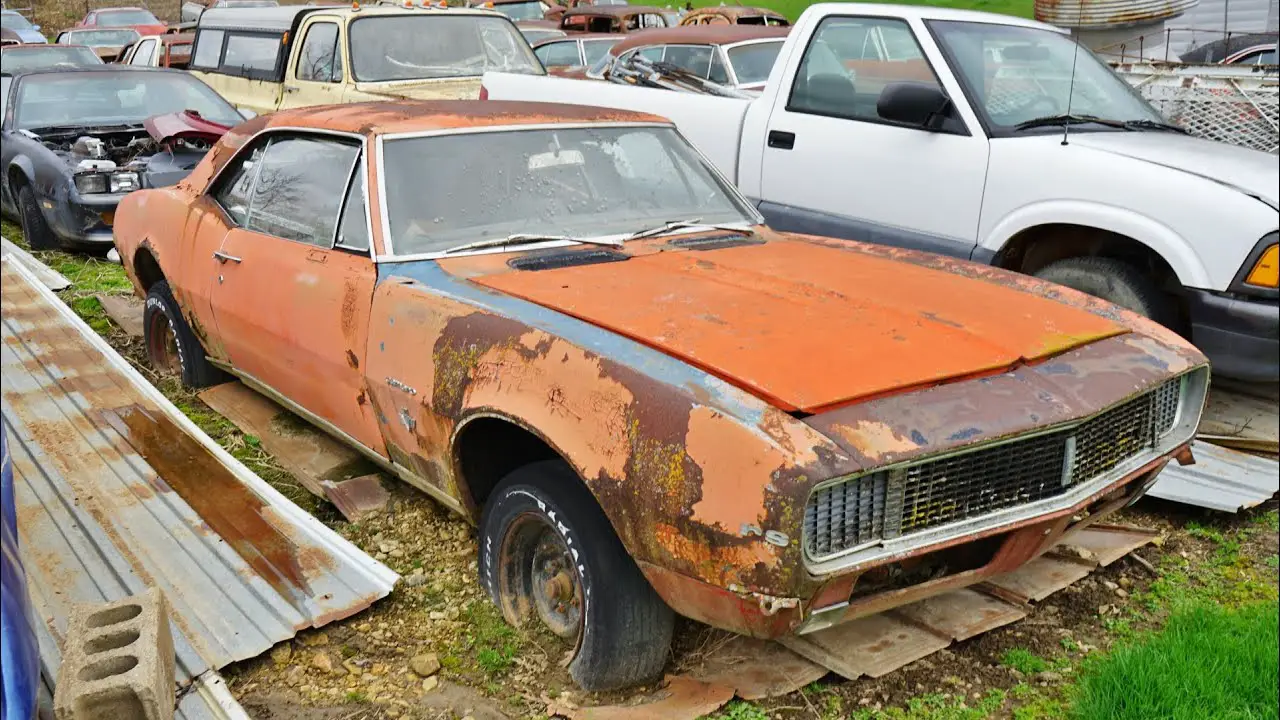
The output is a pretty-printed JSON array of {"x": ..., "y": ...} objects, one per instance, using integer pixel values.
[
  {"x": 225, "y": 258},
  {"x": 290, "y": 88},
  {"x": 782, "y": 139}
]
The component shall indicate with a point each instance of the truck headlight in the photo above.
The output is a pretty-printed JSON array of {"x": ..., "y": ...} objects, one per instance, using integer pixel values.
[{"x": 1265, "y": 272}]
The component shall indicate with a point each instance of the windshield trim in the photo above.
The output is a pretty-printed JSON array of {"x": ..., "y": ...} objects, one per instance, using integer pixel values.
[
  {"x": 388, "y": 253},
  {"x": 979, "y": 110}
]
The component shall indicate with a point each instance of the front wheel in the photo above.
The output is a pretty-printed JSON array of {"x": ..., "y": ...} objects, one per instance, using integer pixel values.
[
  {"x": 1112, "y": 280},
  {"x": 171, "y": 346},
  {"x": 548, "y": 551}
]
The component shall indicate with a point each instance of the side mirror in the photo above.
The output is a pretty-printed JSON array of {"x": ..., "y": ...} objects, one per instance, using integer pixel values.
[
  {"x": 913, "y": 103},
  {"x": 247, "y": 114}
]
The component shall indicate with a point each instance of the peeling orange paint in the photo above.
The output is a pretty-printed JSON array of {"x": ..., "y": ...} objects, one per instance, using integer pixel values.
[
  {"x": 874, "y": 439},
  {"x": 734, "y": 465}
]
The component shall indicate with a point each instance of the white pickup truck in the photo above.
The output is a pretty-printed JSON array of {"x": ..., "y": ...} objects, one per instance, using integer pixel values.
[{"x": 990, "y": 138}]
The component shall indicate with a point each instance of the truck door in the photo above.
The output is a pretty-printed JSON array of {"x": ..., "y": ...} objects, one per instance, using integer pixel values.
[
  {"x": 832, "y": 165},
  {"x": 316, "y": 73}
]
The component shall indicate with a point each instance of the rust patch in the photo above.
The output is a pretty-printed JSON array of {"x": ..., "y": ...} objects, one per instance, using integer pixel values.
[{"x": 353, "y": 361}]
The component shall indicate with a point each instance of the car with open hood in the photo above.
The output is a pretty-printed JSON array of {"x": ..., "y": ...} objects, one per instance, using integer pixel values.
[
  {"x": 76, "y": 141},
  {"x": 565, "y": 325}
]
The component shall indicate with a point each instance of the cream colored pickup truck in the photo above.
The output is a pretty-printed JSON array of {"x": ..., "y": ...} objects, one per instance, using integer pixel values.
[{"x": 266, "y": 59}]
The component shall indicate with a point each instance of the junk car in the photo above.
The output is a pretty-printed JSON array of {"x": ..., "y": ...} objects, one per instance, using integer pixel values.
[{"x": 566, "y": 326}]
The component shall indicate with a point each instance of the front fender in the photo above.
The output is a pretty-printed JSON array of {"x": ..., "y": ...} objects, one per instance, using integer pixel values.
[{"x": 1171, "y": 246}]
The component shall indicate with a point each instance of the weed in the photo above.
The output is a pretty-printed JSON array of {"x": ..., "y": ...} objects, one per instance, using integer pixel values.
[
  {"x": 1195, "y": 529},
  {"x": 1069, "y": 645},
  {"x": 742, "y": 710},
  {"x": 1024, "y": 661},
  {"x": 355, "y": 696}
]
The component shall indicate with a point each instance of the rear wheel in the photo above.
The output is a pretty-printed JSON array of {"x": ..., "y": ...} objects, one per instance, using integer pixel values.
[
  {"x": 548, "y": 552},
  {"x": 171, "y": 346},
  {"x": 34, "y": 227},
  {"x": 1112, "y": 280}
]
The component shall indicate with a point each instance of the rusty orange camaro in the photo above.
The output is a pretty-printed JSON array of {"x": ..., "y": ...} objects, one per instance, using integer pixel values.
[{"x": 564, "y": 325}]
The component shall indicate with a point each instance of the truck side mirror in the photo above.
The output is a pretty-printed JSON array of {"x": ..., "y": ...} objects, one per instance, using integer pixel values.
[{"x": 913, "y": 103}]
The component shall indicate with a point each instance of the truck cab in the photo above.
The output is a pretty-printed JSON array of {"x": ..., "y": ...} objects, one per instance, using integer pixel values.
[{"x": 272, "y": 58}]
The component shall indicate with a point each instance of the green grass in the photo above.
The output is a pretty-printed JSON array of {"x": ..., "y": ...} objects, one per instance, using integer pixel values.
[
  {"x": 793, "y": 8},
  {"x": 1024, "y": 661},
  {"x": 1208, "y": 663}
]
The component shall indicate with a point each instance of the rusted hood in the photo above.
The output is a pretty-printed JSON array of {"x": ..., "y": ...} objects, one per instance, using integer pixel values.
[{"x": 806, "y": 326}]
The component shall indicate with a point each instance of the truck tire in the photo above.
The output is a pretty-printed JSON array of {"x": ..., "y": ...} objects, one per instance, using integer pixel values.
[
  {"x": 548, "y": 552},
  {"x": 34, "y": 227},
  {"x": 1112, "y": 280},
  {"x": 170, "y": 343}
]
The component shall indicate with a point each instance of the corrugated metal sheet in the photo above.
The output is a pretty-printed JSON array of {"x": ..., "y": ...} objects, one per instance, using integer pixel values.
[
  {"x": 47, "y": 275},
  {"x": 1221, "y": 479},
  {"x": 117, "y": 491},
  {"x": 1091, "y": 14}
]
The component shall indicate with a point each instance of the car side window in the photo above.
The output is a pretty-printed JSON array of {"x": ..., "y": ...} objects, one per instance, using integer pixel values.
[
  {"x": 559, "y": 54},
  {"x": 300, "y": 188},
  {"x": 353, "y": 228},
  {"x": 695, "y": 59},
  {"x": 235, "y": 185},
  {"x": 208, "y": 53},
  {"x": 850, "y": 60},
  {"x": 320, "y": 60},
  {"x": 718, "y": 72},
  {"x": 143, "y": 53},
  {"x": 252, "y": 55}
]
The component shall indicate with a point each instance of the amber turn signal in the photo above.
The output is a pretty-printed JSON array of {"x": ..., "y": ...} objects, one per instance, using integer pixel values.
[{"x": 1266, "y": 272}]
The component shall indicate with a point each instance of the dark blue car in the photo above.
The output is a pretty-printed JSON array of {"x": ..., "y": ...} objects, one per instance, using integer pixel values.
[{"x": 19, "y": 656}]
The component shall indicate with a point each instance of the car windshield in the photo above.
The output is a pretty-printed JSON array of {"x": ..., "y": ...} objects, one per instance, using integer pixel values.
[
  {"x": 14, "y": 21},
  {"x": 47, "y": 56},
  {"x": 396, "y": 47},
  {"x": 753, "y": 63},
  {"x": 124, "y": 18},
  {"x": 96, "y": 99},
  {"x": 1016, "y": 74},
  {"x": 450, "y": 190},
  {"x": 100, "y": 38},
  {"x": 521, "y": 10},
  {"x": 596, "y": 49},
  {"x": 533, "y": 35}
]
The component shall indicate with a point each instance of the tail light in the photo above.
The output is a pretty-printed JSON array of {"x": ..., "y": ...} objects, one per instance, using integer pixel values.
[{"x": 484, "y": 93}]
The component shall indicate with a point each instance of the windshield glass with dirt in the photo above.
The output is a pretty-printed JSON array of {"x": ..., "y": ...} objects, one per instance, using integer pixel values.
[
  {"x": 125, "y": 18},
  {"x": 99, "y": 38},
  {"x": 521, "y": 10},
  {"x": 449, "y": 190},
  {"x": 107, "y": 99},
  {"x": 422, "y": 47},
  {"x": 14, "y": 21},
  {"x": 1020, "y": 74},
  {"x": 46, "y": 57}
]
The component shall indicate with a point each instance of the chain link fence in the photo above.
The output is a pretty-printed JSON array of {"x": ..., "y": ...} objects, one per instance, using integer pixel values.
[{"x": 1236, "y": 104}]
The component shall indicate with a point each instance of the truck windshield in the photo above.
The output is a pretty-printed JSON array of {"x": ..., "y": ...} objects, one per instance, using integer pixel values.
[
  {"x": 447, "y": 190},
  {"x": 532, "y": 10},
  {"x": 1018, "y": 74},
  {"x": 426, "y": 46}
]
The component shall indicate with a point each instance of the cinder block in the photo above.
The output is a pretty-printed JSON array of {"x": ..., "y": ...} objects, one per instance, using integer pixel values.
[{"x": 117, "y": 661}]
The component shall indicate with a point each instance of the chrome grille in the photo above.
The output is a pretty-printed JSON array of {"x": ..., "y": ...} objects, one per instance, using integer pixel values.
[{"x": 967, "y": 485}]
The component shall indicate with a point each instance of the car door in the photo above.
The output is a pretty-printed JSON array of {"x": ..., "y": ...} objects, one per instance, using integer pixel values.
[
  {"x": 561, "y": 53},
  {"x": 143, "y": 53},
  {"x": 316, "y": 75},
  {"x": 291, "y": 302},
  {"x": 832, "y": 165}
]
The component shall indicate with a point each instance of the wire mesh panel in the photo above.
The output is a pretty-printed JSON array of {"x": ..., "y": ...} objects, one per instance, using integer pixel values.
[{"x": 1239, "y": 105}]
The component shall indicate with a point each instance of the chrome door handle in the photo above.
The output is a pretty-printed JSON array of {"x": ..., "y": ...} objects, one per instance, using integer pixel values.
[{"x": 224, "y": 258}]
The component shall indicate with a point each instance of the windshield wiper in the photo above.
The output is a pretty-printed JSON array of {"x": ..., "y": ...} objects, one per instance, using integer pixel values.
[
  {"x": 529, "y": 238},
  {"x": 1154, "y": 125},
  {"x": 1049, "y": 120},
  {"x": 684, "y": 224}
]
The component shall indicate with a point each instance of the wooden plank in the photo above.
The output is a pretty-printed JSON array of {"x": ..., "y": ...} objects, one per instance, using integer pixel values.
[
  {"x": 125, "y": 311},
  {"x": 962, "y": 614},
  {"x": 1041, "y": 577},
  {"x": 756, "y": 669},
  {"x": 1109, "y": 543},
  {"x": 310, "y": 455},
  {"x": 874, "y": 646}
]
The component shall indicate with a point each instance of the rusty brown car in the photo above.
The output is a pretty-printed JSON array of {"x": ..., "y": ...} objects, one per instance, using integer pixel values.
[
  {"x": 645, "y": 415},
  {"x": 611, "y": 19},
  {"x": 734, "y": 15}
]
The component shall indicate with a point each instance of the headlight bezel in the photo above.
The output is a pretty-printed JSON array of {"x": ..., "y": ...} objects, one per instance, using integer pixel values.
[
  {"x": 1241, "y": 285},
  {"x": 113, "y": 182}
]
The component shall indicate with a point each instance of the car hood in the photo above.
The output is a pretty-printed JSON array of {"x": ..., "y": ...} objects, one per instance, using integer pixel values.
[
  {"x": 807, "y": 326},
  {"x": 1253, "y": 172}
]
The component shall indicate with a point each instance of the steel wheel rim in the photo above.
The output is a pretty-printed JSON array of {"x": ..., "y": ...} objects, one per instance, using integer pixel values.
[
  {"x": 162, "y": 344},
  {"x": 539, "y": 578}
]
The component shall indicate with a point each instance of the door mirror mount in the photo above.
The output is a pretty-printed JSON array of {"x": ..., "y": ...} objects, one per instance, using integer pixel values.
[{"x": 914, "y": 103}]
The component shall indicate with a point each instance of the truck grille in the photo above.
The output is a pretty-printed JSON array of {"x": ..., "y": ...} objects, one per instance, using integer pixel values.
[{"x": 967, "y": 485}]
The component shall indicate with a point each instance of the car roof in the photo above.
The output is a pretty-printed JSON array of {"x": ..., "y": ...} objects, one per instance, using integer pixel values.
[
  {"x": 378, "y": 118},
  {"x": 734, "y": 11},
  {"x": 612, "y": 10},
  {"x": 282, "y": 17},
  {"x": 700, "y": 35},
  {"x": 42, "y": 46},
  {"x": 929, "y": 12},
  {"x": 123, "y": 7}
]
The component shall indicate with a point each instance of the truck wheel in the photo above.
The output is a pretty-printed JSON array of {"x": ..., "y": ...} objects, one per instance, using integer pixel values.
[
  {"x": 171, "y": 346},
  {"x": 548, "y": 551},
  {"x": 34, "y": 227},
  {"x": 1114, "y": 281}
]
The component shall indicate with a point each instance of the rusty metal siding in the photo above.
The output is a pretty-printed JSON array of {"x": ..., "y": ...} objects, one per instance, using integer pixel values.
[
  {"x": 1097, "y": 14},
  {"x": 109, "y": 476}
]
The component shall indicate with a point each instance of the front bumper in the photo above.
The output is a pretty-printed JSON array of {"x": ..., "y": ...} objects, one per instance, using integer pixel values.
[
  {"x": 1241, "y": 337},
  {"x": 763, "y": 616},
  {"x": 82, "y": 219}
]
